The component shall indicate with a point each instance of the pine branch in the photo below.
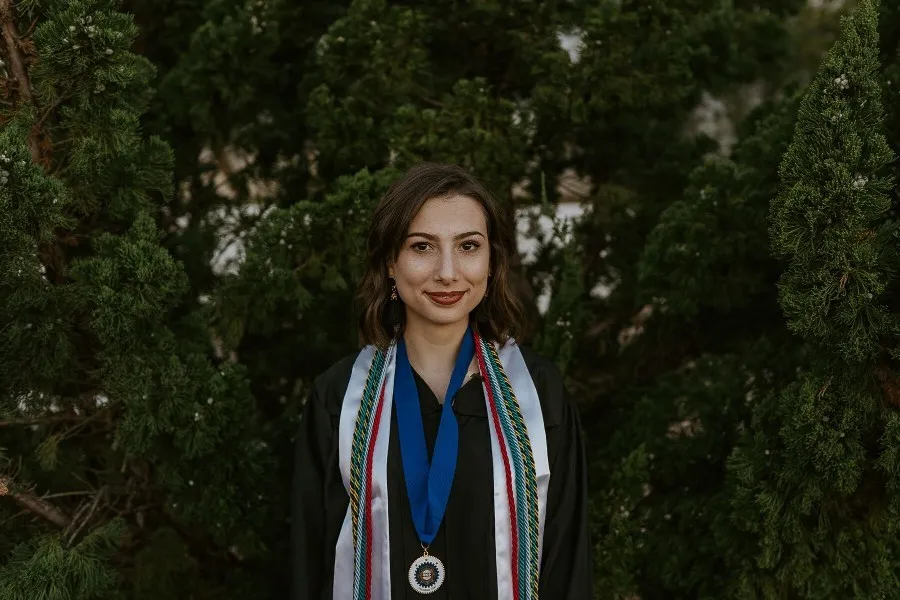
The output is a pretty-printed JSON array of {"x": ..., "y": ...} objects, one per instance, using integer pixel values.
[
  {"x": 81, "y": 518},
  {"x": 17, "y": 64},
  {"x": 34, "y": 504}
]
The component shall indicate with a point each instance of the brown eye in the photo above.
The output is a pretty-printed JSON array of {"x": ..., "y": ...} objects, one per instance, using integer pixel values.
[
  {"x": 470, "y": 246},
  {"x": 420, "y": 246}
]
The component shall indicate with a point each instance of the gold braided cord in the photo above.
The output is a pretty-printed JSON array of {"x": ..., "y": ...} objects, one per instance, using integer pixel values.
[
  {"x": 360, "y": 435},
  {"x": 521, "y": 432}
]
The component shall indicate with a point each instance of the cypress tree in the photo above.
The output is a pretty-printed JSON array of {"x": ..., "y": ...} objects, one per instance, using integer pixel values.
[
  {"x": 815, "y": 474},
  {"x": 122, "y": 435}
]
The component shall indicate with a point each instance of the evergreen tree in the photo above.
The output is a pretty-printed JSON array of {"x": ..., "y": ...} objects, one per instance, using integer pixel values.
[
  {"x": 816, "y": 476},
  {"x": 675, "y": 521},
  {"x": 827, "y": 218},
  {"x": 705, "y": 275},
  {"x": 121, "y": 436}
]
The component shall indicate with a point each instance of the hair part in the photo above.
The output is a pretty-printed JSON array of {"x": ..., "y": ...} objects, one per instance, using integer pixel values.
[{"x": 498, "y": 317}]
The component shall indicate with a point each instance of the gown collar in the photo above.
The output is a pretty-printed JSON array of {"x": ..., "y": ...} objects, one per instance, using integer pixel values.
[{"x": 469, "y": 400}]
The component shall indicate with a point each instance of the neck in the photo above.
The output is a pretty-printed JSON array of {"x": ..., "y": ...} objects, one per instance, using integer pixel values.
[{"x": 433, "y": 349}]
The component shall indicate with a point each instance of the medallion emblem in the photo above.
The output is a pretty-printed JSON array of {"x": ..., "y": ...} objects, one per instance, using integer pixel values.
[{"x": 426, "y": 574}]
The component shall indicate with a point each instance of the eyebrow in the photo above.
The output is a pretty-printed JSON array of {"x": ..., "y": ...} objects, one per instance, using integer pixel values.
[{"x": 429, "y": 236}]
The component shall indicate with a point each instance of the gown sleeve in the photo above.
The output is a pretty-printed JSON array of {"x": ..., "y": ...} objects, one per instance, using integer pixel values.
[
  {"x": 308, "y": 500},
  {"x": 567, "y": 569}
]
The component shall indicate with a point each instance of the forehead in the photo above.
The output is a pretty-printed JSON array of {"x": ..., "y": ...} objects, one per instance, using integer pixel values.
[{"x": 450, "y": 215}]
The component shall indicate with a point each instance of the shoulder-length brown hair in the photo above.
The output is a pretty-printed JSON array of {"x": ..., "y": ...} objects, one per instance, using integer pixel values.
[{"x": 498, "y": 317}]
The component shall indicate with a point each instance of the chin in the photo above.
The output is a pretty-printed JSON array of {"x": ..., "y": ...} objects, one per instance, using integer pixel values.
[
  {"x": 442, "y": 317},
  {"x": 447, "y": 319}
]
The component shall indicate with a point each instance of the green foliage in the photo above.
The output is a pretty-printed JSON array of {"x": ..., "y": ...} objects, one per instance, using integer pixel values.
[
  {"x": 565, "y": 314},
  {"x": 97, "y": 345},
  {"x": 183, "y": 205},
  {"x": 814, "y": 474},
  {"x": 708, "y": 250},
  {"x": 487, "y": 135},
  {"x": 294, "y": 258},
  {"x": 161, "y": 565},
  {"x": 370, "y": 63},
  {"x": 812, "y": 490},
  {"x": 664, "y": 508},
  {"x": 30, "y": 209},
  {"x": 834, "y": 195},
  {"x": 47, "y": 568}
]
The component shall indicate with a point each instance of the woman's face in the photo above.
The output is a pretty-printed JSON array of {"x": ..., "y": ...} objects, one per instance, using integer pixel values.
[{"x": 442, "y": 269}]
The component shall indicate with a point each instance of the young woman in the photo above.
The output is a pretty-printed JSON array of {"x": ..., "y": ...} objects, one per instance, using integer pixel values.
[{"x": 442, "y": 459}]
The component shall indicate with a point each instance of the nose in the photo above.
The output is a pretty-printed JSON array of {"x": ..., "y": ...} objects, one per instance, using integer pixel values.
[{"x": 447, "y": 269}]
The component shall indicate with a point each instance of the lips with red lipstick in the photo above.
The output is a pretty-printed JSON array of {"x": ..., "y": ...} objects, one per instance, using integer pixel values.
[{"x": 445, "y": 298}]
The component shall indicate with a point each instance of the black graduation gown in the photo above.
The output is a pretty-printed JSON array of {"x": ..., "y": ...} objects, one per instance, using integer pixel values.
[{"x": 465, "y": 539}]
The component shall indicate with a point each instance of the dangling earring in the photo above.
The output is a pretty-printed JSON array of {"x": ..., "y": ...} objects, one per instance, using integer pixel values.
[{"x": 393, "y": 312}]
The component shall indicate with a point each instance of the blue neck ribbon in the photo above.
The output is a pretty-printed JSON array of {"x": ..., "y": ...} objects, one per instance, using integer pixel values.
[{"x": 428, "y": 486}]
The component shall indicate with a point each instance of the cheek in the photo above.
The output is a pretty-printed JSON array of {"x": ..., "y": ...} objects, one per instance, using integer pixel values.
[
  {"x": 479, "y": 267},
  {"x": 412, "y": 270}
]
